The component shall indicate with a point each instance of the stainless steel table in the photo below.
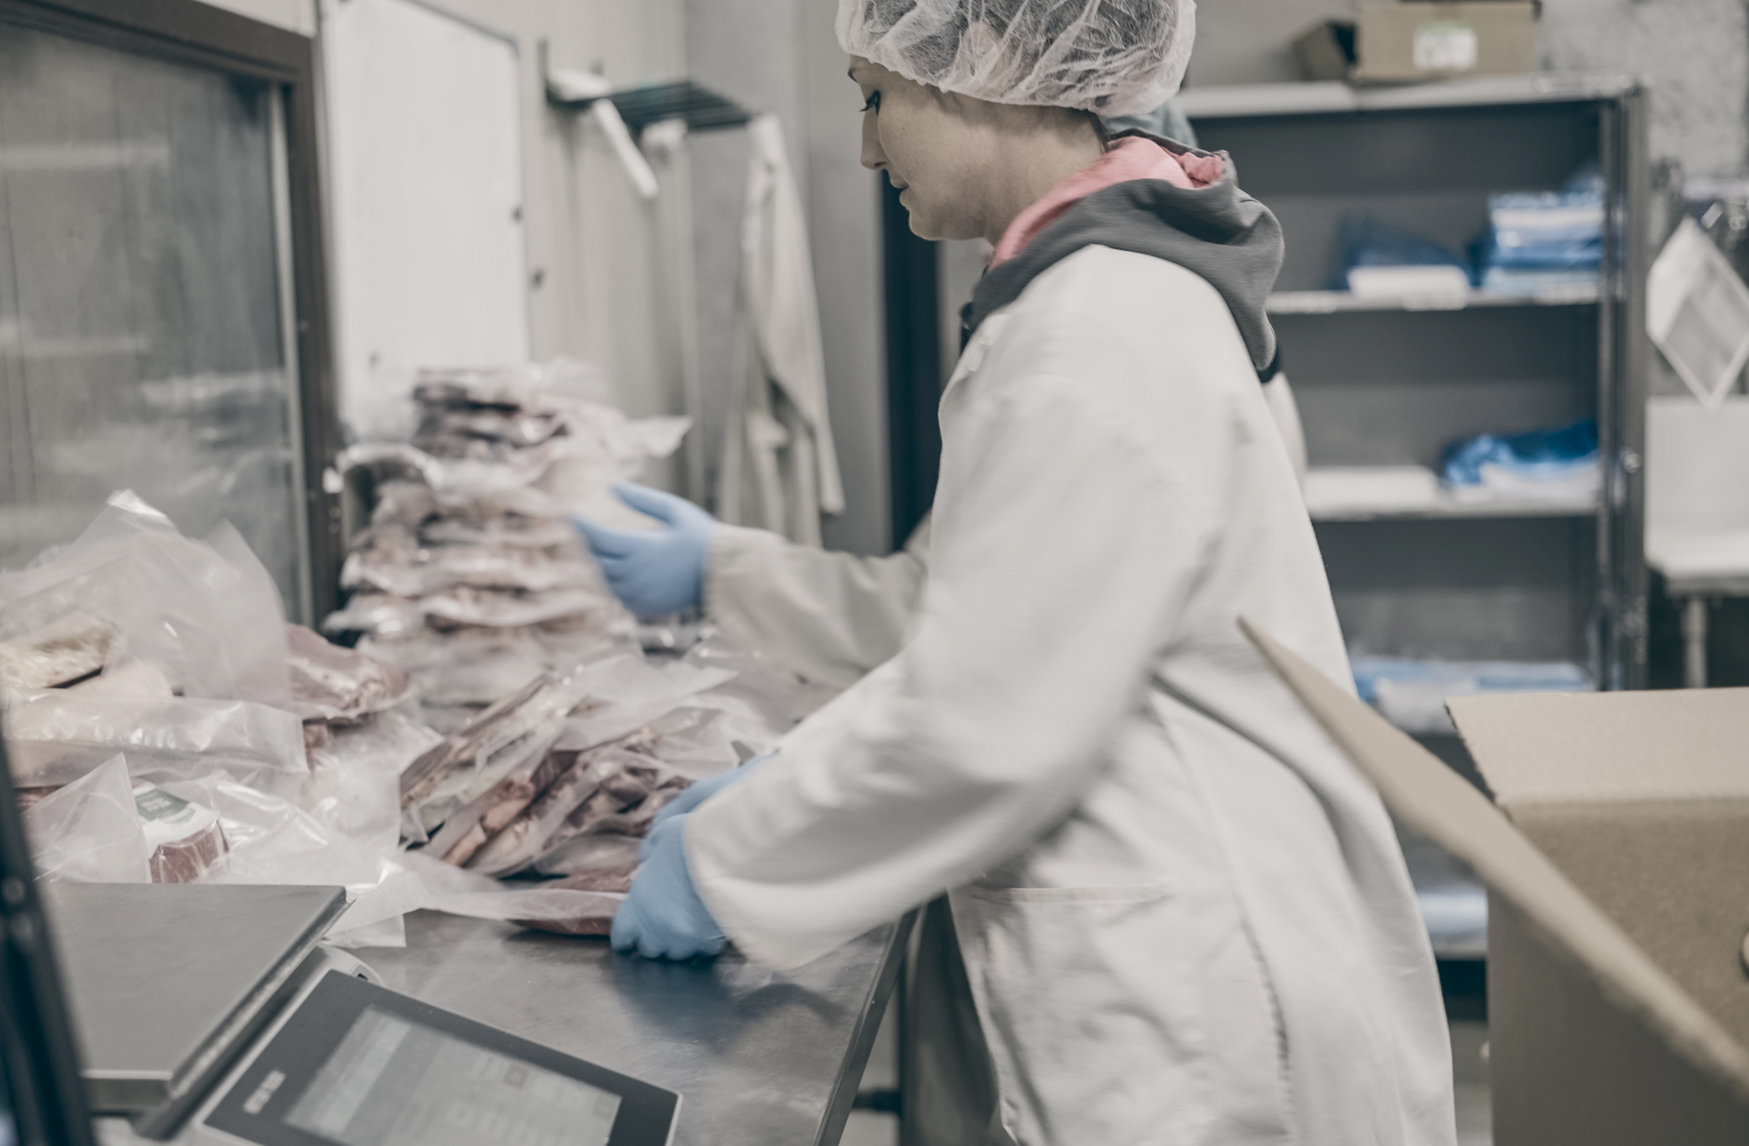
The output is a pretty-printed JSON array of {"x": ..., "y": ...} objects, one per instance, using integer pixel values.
[{"x": 761, "y": 1058}]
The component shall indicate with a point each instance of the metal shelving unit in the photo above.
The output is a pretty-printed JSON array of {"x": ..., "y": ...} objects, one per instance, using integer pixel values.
[{"x": 1389, "y": 381}]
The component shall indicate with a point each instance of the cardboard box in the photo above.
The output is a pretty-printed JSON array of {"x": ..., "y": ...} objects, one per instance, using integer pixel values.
[
  {"x": 1416, "y": 40},
  {"x": 1617, "y": 863}
]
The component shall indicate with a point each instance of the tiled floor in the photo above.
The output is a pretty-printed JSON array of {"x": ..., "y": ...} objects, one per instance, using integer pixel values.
[{"x": 1469, "y": 1042}]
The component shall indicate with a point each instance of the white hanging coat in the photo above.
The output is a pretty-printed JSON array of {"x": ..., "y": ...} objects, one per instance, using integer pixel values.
[
  {"x": 1184, "y": 916},
  {"x": 780, "y": 466}
]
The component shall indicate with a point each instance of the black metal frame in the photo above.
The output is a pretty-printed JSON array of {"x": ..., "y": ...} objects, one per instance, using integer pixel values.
[
  {"x": 38, "y": 1053},
  {"x": 914, "y": 381},
  {"x": 189, "y": 32},
  {"x": 1624, "y": 351}
]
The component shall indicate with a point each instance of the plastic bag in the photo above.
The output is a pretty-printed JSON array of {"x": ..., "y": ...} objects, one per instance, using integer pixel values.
[
  {"x": 425, "y": 571},
  {"x": 614, "y": 788},
  {"x": 483, "y": 607},
  {"x": 589, "y": 852},
  {"x": 468, "y": 763},
  {"x": 339, "y": 685},
  {"x": 207, "y": 612},
  {"x": 378, "y": 614},
  {"x": 624, "y": 693},
  {"x": 354, "y": 781},
  {"x": 89, "y": 831},
  {"x": 57, "y": 736},
  {"x": 66, "y": 649},
  {"x": 460, "y": 892},
  {"x": 473, "y": 668},
  {"x": 273, "y": 841},
  {"x": 763, "y": 702}
]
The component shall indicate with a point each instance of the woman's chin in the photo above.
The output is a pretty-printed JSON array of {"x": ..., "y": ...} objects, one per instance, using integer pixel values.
[{"x": 925, "y": 224}]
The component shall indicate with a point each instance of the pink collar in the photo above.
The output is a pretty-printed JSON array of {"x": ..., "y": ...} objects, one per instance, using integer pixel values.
[{"x": 1127, "y": 159}]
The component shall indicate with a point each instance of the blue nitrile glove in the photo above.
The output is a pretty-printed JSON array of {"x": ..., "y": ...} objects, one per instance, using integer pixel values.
[
  {"x": 696, "y": 795},
  {"x": 654, "y": 574},
  {"x": 663, "y": 917}
]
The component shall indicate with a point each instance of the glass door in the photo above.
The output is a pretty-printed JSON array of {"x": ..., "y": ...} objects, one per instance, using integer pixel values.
[{"x": 148, "y": 320}]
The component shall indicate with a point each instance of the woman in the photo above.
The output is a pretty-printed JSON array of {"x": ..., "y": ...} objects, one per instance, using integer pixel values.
[{"x": 1183, "y": 917}]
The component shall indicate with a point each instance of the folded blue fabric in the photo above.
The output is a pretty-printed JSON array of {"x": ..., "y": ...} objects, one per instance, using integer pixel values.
[
  {"x": 1467, "y": 676},
  {"x": 1538, "y": 454},
  {"x": 1535, "y": 280},
  {"x": 1528, "y": 250}
]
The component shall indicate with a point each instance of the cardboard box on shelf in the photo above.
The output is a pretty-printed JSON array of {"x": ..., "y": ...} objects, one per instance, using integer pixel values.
[
  {"x": 1422, "y": 40},
  {"x": 1617, "y": 862}
]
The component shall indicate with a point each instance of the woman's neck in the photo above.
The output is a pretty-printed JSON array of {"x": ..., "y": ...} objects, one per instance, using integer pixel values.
[{"x": 1036, "y": 161}]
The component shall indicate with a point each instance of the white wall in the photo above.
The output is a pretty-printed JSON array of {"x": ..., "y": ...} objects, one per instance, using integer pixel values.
[
  {"x": 781, "y": 56},
  {"x": 588, "y": 239}
]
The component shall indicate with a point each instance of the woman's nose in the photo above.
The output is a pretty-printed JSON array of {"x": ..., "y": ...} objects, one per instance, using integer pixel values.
[{"x": 873, "y": 157}]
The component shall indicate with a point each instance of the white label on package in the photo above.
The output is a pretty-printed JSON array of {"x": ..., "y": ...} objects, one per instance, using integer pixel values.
[
  {"x": 169, "y": 818},
  {"x": 1445, "y": 47}
]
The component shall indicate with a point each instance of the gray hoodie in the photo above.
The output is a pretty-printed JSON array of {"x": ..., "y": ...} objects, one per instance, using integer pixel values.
[{"x": 1217, "y": 232}]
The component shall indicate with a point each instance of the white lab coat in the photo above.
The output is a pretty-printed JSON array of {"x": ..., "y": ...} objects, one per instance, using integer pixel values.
[
  {"x": 1184, "y": 916},
  {"x": 780, "y": 466}
]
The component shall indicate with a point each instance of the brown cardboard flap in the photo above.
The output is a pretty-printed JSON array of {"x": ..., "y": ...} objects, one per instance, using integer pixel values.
[
  {"x": 1675, "y": 876},
  {"x": 1429, "y": 797},
  {"x": 1606, "y": 747}
]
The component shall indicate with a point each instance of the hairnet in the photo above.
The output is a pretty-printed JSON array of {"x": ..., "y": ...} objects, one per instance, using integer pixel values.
[{"x": 1115, "y": 57}]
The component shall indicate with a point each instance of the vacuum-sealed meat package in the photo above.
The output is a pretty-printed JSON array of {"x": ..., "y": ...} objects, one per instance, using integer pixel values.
[
  {"x": 68, "y": 649},
  {"x": 485, "y": 607},
  {"x": 57, "y": 735},
  {"x": 334, "y": 684},
  {"x": 467, "y": 829},
  {"x": 502, "y": 739},
  {"x": 587, "y": 916},
  {"x": 184, "y": 839},
  {"x": 424, "y": 571}
]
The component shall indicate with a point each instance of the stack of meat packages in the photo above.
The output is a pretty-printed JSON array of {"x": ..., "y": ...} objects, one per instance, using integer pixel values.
[
  {"x": 471, "y": 579},
  {"x": 469, "y": 576}
]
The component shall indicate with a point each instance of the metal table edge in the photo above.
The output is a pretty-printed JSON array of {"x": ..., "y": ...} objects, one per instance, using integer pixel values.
[{"x": 867, "y": 1027}]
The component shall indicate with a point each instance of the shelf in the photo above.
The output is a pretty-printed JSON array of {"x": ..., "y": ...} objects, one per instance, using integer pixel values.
[
  {"x": 1237, "y": 101},
  {"x": 1413, "y": 493},
  {"x": 1467, "y": 511},
  {"x": 1341, "y": 301}
]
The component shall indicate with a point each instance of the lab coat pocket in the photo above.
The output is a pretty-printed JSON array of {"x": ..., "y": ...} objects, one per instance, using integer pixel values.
[{"x": 1109, "y": 1014}]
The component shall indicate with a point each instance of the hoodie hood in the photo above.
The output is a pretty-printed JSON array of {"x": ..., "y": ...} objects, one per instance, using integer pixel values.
[{"x": 1216, "y": 231}]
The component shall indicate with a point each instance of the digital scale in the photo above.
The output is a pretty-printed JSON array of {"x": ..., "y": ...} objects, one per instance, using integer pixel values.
[
  {"x": 352, "y": 1063},
  {"x": 210, "y": 1015}
]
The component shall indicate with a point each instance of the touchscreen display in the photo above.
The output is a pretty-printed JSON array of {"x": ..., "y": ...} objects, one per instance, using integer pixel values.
[{"x": 391, "y": 1082}]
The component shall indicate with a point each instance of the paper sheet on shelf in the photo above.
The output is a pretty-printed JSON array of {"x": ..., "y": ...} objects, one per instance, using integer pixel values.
[{"x": 1332, "y": 490}]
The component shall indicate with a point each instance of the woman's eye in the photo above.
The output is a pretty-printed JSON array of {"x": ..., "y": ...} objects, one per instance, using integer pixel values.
[{"x": 873, "y": 104}]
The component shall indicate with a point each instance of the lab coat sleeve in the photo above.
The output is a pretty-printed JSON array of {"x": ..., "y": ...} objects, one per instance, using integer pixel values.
[
  {"x": 1063, "y": 551},
  {"x": 831, "y": 616}
]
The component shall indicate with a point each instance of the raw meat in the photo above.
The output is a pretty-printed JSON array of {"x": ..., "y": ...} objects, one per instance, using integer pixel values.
[
  {"x": 332, "y": 683},
  {"x": 617, "y": 879},
  {"x": 526, "y": 836},
  {"x": 467, "y": 830},
  {"x": 29, "y": 797},
  {"x": 423, "y": 776},
  {"x": 69, "y": 649},
  {"x": 595, "y": 917}
]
